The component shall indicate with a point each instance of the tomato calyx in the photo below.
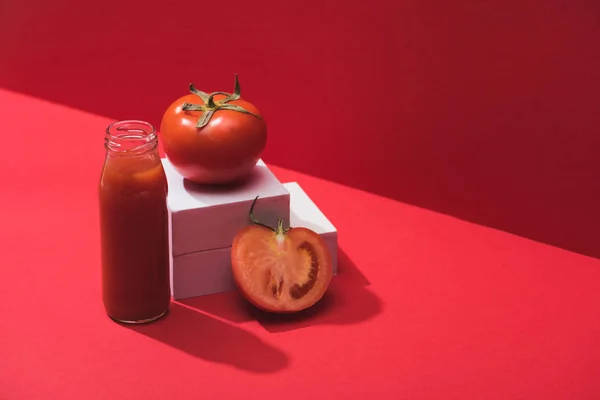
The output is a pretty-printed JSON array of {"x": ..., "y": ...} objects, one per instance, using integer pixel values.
[
  {"x": 279, "y": 231},
  {"x": 210, "y": 105}
]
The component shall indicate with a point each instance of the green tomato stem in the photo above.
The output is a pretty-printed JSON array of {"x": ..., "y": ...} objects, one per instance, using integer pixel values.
[
  {"x": 280, "y": 229},
  {"x": 209, "y": 105}
]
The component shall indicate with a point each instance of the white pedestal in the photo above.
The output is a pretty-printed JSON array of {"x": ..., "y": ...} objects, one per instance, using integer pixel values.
[
  {"x": 207, "y": 218},
  {"x": 305, "y": 213},
  {"x": 204, "y": 221}
]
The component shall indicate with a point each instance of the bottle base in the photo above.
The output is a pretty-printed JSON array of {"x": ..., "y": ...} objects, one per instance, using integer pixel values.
[{"x": 140, "y": 321}]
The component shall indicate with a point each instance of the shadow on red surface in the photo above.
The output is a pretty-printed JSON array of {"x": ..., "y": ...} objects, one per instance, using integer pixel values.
[
  {"x": 195, "y": 333},
  {"x": 347, "y": 301}
]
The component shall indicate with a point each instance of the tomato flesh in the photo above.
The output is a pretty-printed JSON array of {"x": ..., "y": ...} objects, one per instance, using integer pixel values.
[{"x": 280, "y": 272}]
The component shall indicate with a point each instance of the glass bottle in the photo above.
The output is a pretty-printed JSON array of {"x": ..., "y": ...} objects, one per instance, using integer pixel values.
[{"x": 134, "y": 225}]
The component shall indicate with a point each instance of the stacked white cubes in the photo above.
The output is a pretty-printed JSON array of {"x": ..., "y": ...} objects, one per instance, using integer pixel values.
[{"x": 204, "y": 220}]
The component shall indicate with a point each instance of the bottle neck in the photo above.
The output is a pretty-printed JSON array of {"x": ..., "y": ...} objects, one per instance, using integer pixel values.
[{"x": 130, "y": 138}]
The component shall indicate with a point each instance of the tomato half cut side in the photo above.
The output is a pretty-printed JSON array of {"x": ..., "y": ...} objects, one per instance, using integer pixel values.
[{"x": 279, "y": 270}]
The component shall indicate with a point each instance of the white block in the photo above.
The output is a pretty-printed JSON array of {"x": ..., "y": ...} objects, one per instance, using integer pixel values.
[
  {"x": 305, "y": 213},
  {"x": 209, "y": 272},
  {"x": 202, "y": 273},
  {"x": 208, "y": 217}
]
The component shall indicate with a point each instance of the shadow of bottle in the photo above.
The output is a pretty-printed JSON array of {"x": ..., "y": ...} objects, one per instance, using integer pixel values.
[{"x": 213, "y": 340}]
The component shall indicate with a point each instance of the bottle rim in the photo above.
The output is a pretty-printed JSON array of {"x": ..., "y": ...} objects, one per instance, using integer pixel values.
[{"x": 130, "y": 137}]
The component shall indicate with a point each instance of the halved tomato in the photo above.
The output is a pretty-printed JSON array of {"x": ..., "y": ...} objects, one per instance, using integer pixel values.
[{"x": 280, "y": 270}]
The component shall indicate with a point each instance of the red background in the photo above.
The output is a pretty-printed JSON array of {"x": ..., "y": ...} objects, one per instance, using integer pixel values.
[{"x": 485, "y": 110}]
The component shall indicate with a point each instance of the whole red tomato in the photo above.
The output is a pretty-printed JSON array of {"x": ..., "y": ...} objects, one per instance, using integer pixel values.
[{"x": 213, "y": 138}]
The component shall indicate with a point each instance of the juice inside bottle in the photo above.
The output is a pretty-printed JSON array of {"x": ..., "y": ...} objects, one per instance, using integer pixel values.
[{"x": 134, "y": 225}]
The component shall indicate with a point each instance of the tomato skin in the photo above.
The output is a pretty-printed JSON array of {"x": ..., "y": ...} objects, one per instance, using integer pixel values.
[
  {"x": 223, "y": 151},
  {"x": 260, "y": 243}
]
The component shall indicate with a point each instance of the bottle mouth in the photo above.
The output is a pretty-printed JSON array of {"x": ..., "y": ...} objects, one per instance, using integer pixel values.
[{"x": 130, "y": 137}]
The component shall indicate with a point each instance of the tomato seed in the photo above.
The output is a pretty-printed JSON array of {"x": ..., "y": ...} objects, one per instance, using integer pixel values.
[{"x": 298, "y": 291}]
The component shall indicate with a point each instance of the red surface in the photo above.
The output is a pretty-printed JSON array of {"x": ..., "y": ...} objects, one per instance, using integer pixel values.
[
  {"x": 485, "y": 110},
  {"x": 425, "y": 306}
]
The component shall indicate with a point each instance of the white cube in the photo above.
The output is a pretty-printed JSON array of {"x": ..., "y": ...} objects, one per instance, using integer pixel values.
[
  {"x": 305, "y": 213},
  {"x": 202, "y": 273},
  {"x": 208, "y": 272},
  {"x": 208, "y": 217}
]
